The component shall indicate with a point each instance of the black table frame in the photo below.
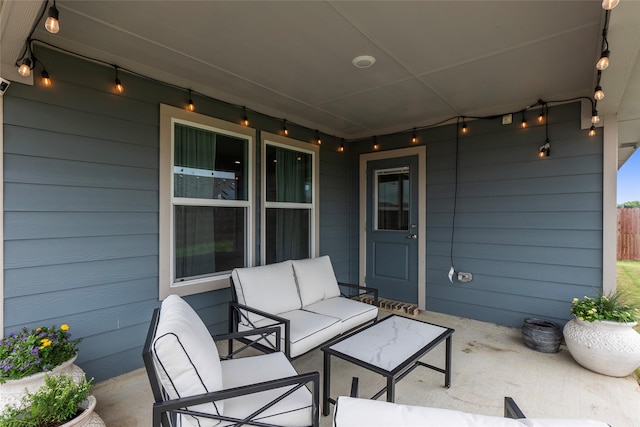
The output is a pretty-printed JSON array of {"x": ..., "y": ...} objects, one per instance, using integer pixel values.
[{"x": 393, "y": 376}]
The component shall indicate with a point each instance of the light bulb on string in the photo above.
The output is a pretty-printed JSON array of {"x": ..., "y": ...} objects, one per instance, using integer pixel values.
[
  {"x": 609, "y": 4},
  {"x": 523, "y": 124},
  {"x": 592, "y": 131},
  {"x": 25, "y": 68},
  {"x": 464, "y": 126},
  {"x": 318, "y": 140},
  {"x": 375, "y": 143},
  {"x": 341, "y": 147},
  {"x": 51, "y": 24},
  {"x": 118, "y": 84},
  {"x": 598, "y": 95},
  {"x": 190, "y": 105},
  {"x": 541, "y": 117},
  {"x": 414, "y": 138},
  {"x": 595, "y": 118},
  {"x": 603, "y": 62},
  {"x": 245, "y": 119},
  {"x": 46, "y": 80},
  {"x": 285, "y": 131}
]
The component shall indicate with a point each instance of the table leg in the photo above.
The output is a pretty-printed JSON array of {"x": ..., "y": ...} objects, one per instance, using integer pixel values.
[
  {"x": 391, "y": 389},
  {"x": 326, "y": 384},
  {"x": 447, "y": 369}
]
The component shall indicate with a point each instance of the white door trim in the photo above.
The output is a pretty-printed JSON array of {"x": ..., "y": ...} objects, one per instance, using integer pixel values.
[{"x": 421, "y": 152}]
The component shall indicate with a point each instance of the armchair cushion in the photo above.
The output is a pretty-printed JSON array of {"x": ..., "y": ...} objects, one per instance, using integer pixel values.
[
  {"x": 296, "y": 410},
  {"x": 316, "y": 279},
  {"x": 271, "y": 288},
  {"x": 186, "y": 357}
]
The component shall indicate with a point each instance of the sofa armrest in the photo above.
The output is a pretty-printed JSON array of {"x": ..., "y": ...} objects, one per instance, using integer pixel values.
[
  {"x": 361, "y": 290},
  {"x": 259, "y": 342},
  {"x": 237, "y": 315},
  {"x": 179, "y": 406},
  {"x": 511, "y": 409}
]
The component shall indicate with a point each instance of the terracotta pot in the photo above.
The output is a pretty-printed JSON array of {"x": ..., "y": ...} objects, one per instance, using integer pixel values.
[
  {"x": 11, "y": 392},
  {"x": 87, "y": 418},
  {"x": 609, "y": 348}
]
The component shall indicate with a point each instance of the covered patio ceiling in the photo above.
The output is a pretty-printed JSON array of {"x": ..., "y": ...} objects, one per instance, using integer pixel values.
[{"x": 293, "y": 59}]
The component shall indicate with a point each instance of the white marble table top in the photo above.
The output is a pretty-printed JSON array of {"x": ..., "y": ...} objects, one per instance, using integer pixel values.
[{"x": 390, "y": 342}]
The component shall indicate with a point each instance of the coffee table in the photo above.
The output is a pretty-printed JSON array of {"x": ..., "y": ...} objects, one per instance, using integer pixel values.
[{"x": 390, "y": 347}]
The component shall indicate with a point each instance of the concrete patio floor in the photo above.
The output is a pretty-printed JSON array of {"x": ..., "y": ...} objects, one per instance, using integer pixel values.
[{"x": 489, "y": 362}]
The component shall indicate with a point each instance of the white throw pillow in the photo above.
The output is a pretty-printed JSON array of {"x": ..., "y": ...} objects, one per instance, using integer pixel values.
[
  {"x": 271, "y": 288},
  {"x": 186, "y": 357},
  {"x": 316, "y": 279}
]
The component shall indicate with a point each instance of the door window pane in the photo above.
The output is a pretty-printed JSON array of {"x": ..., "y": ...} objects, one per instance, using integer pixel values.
[
  {"x": 209, "y": 165},
  {"x": 208, "y": 240},
  {"x": 287, "y": 234},
  {"x": 288, "y": 175},
  {"x": 392, "y": 210}
]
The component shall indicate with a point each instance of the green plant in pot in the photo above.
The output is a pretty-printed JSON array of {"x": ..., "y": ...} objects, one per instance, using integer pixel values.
[
  {"x": 52, "y": 405},
  {"x": 601, "y": 337}
]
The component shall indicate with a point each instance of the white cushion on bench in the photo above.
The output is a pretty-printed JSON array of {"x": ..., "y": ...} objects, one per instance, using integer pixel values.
[
  {"x": 308, "y": 330},
  {"x": 271, "y": 288},
  {"x": 353, "y": 412},
  {"x": 352, "y": 313},
  {"x": 295, "y": 410},
  {"x": 316, "y": 279},
  {"x": 186, "y": 357}
]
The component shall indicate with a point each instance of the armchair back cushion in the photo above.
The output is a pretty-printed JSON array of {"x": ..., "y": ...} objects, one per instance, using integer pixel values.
[
  {"x": 186, "y": 357},
  {"x": 271, "y": 288},
  {"x": 316, "y": 279}
]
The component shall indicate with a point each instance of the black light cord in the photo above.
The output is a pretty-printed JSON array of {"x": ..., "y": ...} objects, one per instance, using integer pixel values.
[{"x": 455, "y": 193}]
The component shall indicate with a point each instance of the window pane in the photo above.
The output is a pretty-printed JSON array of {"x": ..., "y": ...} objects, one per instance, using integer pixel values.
[
  {"x": 393, "y": 200},
  {"x": 208, "y": 240},
  {"x": 288, "y": 175},
  {"x": 209, "y": 165},
  {"x": 287, "y": 234}
]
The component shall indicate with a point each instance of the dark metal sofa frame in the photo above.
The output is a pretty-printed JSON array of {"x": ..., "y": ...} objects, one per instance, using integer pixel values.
[
  {"x": 237, "y": 312},
  {"x": 165, "y": 410}
]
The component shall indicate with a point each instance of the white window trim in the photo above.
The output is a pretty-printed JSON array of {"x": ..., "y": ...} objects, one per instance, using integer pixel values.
[
  {"x": 289, "y": 143},
  {"x": 168, "y": 117}
]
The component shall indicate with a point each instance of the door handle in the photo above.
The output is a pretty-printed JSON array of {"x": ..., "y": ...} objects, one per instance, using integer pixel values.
[{"x": 412, "y": 236}]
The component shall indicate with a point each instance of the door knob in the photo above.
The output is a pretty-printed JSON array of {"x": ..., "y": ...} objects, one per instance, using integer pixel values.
[{"x": 412, "y": 236}]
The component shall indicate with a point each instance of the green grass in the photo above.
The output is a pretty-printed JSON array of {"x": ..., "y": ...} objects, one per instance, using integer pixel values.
[{"x": 628, "y": 285}]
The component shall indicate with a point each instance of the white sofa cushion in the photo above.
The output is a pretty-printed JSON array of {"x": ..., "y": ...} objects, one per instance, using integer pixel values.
[
  {"x": 308, "y": 330},
  {"x": 352, "y": 313},
  {"x": 186, "y": 357},
  {"x": 295, "y": 410},
  {"x": 316, "y": 279},
  {"x": 271, "y": 288},
  {"x": 353, "y": 412}
]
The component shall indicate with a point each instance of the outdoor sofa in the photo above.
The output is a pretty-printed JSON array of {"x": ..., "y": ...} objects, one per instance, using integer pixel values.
[
  {"x": 193, "y": 387},
  {"x": 303, "y": 297},
  {"x": 351, "y": 411}
]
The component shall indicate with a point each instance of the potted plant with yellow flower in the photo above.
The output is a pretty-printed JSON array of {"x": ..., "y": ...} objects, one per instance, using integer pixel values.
[
  {"x": 27, "y": 356},
  {"x": 601, "y": 337}
]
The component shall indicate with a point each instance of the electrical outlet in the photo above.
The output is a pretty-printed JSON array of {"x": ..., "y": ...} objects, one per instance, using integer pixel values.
[
  {"x": 465, "y": 277},
  {"x": 507, "y": 119}
]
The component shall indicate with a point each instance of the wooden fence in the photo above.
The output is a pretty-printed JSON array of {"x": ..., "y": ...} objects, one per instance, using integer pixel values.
[{"x": 629, "y": 234}]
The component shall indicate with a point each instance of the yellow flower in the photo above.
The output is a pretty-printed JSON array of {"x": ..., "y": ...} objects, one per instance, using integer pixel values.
[
  {"x": 575, "y": 300},
  {"x": 64, "y": 327},
  {"x": 46, "y": 342}
]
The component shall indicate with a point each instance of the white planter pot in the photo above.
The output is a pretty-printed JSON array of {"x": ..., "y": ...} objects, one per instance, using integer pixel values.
[
  {"x": 11, "y": 392},
  {"x": 87, "y": 418},
  {"x": 609, "y": 348}
]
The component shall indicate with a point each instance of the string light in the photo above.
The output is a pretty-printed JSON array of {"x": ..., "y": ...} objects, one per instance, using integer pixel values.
[
  {"x": 285, "y": 131},
  {"x": 414, "y": 138},
  {"x": 51, "y": 24},
  {"x": 603, "y": 62},
  {"x": 592, "y": 131},
  {"x": 25, "y": 68},
  {"x": 46, "y": 80},
  {"x": 464, "y": 126},
  {"x": 318, "y": 140},
  {"x": 595, "y": 118},
  {"x": 541, "y": 116},
  {"x": 523, "y": 124},
  {"x": 118, "y": 84},
  {"x": 341, "y": 147},
  {"x": 245, "y": 119},
  {"x": 609, "y": 4},
  {"x": 599, "y": 94},
  {"x": 190, "y": 105},
  {"x": 545, "y": 150},
  {"x": 375, "y": 143}
]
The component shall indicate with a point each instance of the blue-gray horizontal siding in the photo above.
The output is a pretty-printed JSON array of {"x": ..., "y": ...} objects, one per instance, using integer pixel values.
[
  {"x": 529, "y": 229},
  {"x": 81, "y": 208}
]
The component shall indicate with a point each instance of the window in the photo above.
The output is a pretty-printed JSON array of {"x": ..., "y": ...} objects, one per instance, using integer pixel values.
[
  {"x": 205, "y": 201},
  {"x": 290, "y": 199},
  {"x": 392, "y": 199}
]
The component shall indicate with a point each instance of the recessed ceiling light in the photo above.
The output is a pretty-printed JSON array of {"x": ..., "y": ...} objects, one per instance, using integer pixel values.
[{"x": 363, "y": 61}]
